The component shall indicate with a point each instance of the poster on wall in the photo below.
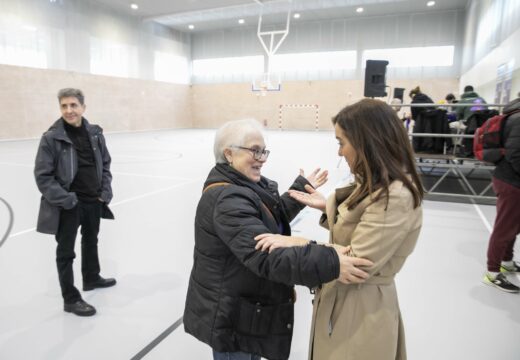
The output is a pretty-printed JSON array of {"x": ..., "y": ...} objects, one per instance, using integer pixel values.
[
  {"x": 504, "y": 82},
  {"x": 506, "y": 94}
]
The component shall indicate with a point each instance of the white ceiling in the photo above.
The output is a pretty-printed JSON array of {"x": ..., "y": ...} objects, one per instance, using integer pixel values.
[{"x": 207, "y": 15}]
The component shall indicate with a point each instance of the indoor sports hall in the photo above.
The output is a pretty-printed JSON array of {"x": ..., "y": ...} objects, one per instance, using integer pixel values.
[{"x": 160, "y": 77}]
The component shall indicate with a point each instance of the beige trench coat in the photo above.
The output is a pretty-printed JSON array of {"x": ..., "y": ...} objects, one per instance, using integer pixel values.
[{"x": 363, "y": 322}]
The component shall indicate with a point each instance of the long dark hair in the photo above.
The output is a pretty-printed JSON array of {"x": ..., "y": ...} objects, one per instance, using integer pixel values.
[{"x": 383, "y": 150}]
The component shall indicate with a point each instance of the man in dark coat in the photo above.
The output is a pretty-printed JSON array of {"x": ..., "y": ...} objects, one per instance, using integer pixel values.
[
  {"x": 72, "y": 171},
  {"x": 506, "y": 184}
]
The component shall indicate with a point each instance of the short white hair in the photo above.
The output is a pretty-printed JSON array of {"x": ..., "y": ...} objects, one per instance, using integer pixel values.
[{"x": 234, "y": 133}]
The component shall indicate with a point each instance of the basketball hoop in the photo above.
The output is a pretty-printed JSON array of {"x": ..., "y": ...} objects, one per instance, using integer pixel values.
[{"x": 264, "y": 83}]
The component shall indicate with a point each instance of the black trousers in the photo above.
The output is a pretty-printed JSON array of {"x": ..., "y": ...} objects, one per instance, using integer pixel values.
[{"x": 86, "y": 215}]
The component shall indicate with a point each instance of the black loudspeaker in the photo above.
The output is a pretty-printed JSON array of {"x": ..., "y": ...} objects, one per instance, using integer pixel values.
[
  {"x": 398, "y": 93},
  {"x": 375, "y": 78}
]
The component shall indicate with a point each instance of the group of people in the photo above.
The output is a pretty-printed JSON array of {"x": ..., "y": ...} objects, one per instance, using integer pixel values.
[
  {"x": 456, "y": 115},
  {"x": 240, "y": 298}
]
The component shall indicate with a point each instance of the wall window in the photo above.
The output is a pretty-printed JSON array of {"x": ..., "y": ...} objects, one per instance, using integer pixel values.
[
  {"x": 23, "y": 46},
  {"x": 244, "y": 65},
  {"x": 412, "y": 57},
  {"x": 112, "y": 59},
  {"x": 171, "y": 68},
  {"x": 331, "y": 60}
]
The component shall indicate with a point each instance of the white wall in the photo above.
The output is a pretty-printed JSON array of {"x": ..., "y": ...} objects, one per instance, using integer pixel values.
[
  {"x": 492, "y": 38},
  {"x": 119, "y": 61},
  {"x": 386, "y": 32},
  {"x": 86, "y": 37}
]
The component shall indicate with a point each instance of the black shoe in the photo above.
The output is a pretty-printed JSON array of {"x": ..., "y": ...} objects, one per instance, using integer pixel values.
[
  {"x": 80, "y": 308},
  {"x": 500, "y": 282},
  {"x": 99, "y": 283}
]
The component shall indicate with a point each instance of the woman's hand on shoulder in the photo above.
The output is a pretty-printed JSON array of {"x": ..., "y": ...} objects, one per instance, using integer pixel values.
[
  {"x": 269, "y": 242},
  {"x": 312, "y": 198},
  {"x": 317, "y": 177}
]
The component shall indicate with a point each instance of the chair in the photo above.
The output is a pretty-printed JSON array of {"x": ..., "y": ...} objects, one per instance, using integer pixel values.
[{"x": 431, "y": 122}]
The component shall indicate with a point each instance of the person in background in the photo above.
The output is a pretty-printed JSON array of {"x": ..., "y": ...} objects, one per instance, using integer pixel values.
[
  {"x": 418, "y": 97},
  {"x": 379, "y": 218},
  {"x": 506, "y": 184},
  {"x": 451, "y": 99},
  {"x": 241, "y": 301},
  {"x": 469, "y": 97},
  {"x": 405, "y": 117},
  {"x": 72, "y": 172}
]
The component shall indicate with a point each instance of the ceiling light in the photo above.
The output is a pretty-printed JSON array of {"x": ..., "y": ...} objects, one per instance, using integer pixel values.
[
  {"x": 241, "y": 21},
  {"x": 134, "y": 6},
  {"x": 191, "y": 26},
  {"x": 359, "y": 10},
  {"x": 430, "y": 3},
  {"x": 297, "y": 15}
]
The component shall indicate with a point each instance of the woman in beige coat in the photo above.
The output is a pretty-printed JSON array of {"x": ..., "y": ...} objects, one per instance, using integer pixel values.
[{"x": 377, "y": 218}]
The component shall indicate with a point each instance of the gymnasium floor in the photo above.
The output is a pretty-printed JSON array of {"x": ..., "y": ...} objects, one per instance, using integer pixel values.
[{"x": 158, "y": 177}]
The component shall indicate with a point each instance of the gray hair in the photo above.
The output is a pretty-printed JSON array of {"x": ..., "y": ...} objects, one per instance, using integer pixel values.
[
  {"x": 70, "y": 92},
  {"x": 234, "y": 133}
]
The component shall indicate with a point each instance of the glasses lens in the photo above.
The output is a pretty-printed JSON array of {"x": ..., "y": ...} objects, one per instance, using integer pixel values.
[{"x": 261, "y": 154}]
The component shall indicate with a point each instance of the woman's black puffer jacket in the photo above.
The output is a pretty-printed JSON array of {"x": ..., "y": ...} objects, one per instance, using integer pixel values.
[{"x": 239, "y": 298}]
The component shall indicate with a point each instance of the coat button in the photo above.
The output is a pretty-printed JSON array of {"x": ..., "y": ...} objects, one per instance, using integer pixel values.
[
  {"x": 289, "y": 326},
  {"x": 258, "y": 310}
]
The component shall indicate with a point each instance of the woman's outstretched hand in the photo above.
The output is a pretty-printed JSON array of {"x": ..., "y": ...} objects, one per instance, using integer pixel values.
[
  {"x": 312, "y": 198},
  {"x": 317, "y": 177},
  {"x": 269, "y": 242}
]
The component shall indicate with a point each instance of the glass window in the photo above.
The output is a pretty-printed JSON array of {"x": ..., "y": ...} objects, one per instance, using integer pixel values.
[
  {"x": 412, "y": 57},
  {"x": 331, "y": 60},
  {"x": 171, "y": 68},
  {"x": 111, "y": 58},
  {"x": 23, "y": 46},
  {"x": 228, "y": 66}
]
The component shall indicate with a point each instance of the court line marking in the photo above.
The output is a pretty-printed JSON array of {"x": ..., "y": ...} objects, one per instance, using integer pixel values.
[
  {"x": 123, "y": 202},
  {"x": 157, "y": 340},
  {"x": 483, "y": 218},
  {"x": 114, "y": 173}
]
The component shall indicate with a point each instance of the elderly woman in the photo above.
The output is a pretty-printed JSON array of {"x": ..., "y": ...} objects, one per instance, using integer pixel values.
[
  {"x": 378, "y": 218},
  {"x": 239, "y": 300}
]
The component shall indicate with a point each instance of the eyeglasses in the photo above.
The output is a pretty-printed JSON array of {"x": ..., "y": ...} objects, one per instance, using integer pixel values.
[{"x": 258, "y": 154}]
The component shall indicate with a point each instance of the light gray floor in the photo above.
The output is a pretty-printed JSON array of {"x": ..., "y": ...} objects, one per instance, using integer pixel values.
[{"x": 158, "y": 177}]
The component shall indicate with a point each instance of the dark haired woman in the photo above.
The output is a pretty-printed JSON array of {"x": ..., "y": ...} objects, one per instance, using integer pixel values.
[
  {"x": 418, "y": 97},
  {"x": 377, "y": 218}
]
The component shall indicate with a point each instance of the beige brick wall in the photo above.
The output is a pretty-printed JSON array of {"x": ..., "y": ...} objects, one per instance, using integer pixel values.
[
  {"x": 215, "y": 104},
  {"x": 29, "y": 105},
  {"x": 28, "y": 101}
]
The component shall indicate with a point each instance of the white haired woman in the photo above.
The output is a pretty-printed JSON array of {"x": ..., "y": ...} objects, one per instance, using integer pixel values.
[{"x": 239, "y": 300}]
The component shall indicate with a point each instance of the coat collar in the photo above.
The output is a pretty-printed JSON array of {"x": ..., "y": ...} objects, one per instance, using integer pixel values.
[
  {"x": 57, "y": 130},
  {"x": 265, "y": 188}
]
